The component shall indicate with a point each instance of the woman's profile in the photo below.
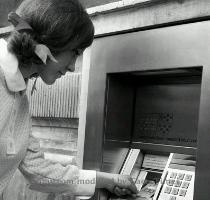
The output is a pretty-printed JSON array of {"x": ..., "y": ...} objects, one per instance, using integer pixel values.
[{"x": 47, "y": 38}]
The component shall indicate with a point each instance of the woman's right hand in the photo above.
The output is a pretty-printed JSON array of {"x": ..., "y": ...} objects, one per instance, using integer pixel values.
[{"x": 117, "y": 184}]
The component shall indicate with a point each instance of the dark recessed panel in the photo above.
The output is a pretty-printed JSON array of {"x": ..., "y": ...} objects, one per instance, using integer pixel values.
[
  {"x": 167, "y": 114},
  {"x": 119, "y": 109}
]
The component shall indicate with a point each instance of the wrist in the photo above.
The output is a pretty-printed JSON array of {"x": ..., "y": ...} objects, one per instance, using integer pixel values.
[{"x": 104, "y": 180}]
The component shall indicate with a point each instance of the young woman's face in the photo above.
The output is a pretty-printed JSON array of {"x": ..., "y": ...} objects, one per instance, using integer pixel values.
[{"x": 52, "y": 70}]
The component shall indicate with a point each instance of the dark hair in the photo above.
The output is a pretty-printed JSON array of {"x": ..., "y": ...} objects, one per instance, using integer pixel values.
[{"x": 59, "y": 24}]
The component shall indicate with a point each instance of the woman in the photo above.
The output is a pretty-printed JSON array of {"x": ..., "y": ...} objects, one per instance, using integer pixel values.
[{"x": 48, "y": 36}]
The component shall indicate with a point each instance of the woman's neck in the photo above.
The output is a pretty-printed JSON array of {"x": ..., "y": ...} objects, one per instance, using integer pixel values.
[{"x": 28, "y": 72}]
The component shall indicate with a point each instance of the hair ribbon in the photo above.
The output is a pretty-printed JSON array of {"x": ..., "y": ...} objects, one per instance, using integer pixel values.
[{"x": 41, "y": 50}]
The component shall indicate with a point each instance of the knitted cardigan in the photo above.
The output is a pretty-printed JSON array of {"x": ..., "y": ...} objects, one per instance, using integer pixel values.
[{"x": 43, "y": 175}]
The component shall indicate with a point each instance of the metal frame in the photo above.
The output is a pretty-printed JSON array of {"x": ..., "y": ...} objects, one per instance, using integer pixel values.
[{"x": 164, "y": 48}]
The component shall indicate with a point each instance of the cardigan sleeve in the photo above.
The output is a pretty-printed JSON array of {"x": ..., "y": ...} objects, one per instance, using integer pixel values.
[
  {"x": 5, "y": 102},
  {"x": 47, "y": 176}
]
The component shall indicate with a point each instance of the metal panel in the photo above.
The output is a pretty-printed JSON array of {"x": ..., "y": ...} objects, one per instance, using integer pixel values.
[
  {"x": 167, "y": 114},
  {"x": 163, "y": 48}
]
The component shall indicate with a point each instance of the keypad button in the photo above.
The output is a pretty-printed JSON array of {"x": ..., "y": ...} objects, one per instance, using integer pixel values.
[
  {"x": 173, "y": 175},
  {"x": 175, "y": 191},
  {"x": 180, "y": 176},
  {"x": 168, "y": 190},
  {"x": 170, "y": 182},
  {"x": 185, "y": 184},
  {"x": 182, "y": 192},
  {"x": 177, "y": 183},
  {"x": 188, "y": 177},
  {"x": 172, "y": 198}
]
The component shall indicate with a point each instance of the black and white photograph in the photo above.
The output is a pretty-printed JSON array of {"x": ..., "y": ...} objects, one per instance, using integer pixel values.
[{"x": 104, "y": 99}]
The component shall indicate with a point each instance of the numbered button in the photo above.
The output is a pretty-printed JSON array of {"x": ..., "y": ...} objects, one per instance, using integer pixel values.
[
  {"x": 188, "y": 177},
  {"x": 168, "y": 190},
  {"x": 170, "y": 182},
  {"x": 185, "y": 185},
  {"x": 172, "y": 198},
  {"x": 177, "y": 183},
  {"x": 173, "y": 175},
  {"x": 180, "y": 176},
  {"x": 182, "y": 192},
  {"x": 175, "y": 191}
]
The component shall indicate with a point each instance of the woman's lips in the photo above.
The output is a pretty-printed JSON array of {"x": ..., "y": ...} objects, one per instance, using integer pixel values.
[{"x": 60, "y": 74}]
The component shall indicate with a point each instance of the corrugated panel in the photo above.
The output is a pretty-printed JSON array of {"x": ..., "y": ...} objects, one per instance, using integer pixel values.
[{"x": 58, "y": 100}]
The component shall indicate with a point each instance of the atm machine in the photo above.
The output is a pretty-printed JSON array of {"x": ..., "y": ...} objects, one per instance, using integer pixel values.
[{"x": 148, "y": 110}]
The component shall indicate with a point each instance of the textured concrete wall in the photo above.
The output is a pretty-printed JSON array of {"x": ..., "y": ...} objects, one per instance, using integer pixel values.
[
  {"x": 56, "y": 135},
  {"x": 93, "y": 3},
  {"x": 140, "y": 15}
]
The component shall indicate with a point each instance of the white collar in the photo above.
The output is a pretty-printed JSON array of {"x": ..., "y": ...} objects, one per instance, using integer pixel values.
[{"x": 9, "y": 64}]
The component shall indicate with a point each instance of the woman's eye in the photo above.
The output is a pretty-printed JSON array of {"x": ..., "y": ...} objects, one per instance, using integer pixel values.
[{"x": 76, "y": 51}]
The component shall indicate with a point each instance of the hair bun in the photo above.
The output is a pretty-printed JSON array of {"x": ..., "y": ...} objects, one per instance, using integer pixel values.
[{"x": 22, "y": 45}]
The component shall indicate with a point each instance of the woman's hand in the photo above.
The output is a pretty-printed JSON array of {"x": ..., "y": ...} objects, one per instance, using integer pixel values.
[{"x": 120, "y": 185}]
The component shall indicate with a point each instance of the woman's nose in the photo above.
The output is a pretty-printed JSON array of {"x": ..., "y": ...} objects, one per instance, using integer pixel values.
[{"x": 71, "y": 68}]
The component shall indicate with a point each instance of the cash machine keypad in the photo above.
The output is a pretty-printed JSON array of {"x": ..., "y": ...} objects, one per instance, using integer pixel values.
[{"x": 177, "y": 184}]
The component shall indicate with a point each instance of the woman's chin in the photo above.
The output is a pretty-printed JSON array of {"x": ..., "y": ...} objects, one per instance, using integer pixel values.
[
  {"x": 48, "y": 81},
  {"x": 35, "y": 75}
]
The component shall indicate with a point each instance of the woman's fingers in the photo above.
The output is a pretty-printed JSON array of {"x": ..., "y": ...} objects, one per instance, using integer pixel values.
[
  {"x": 122, "y": 185},
  {"x": 129, "y": 184},
  {"x": 117, "y": 191},
  {"x": 127, "y": 191},
  {"x": 123, "y": 192},
  {"x": 132, "y": 186}
]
